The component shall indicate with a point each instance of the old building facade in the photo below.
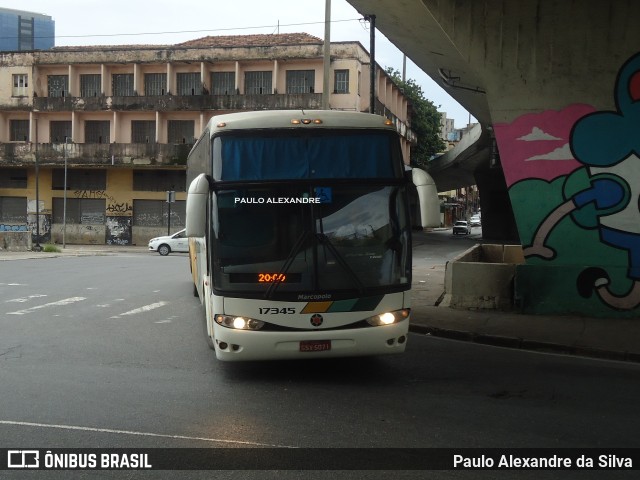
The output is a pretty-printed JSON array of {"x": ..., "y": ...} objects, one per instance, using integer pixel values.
[{"x": 114, "y": 125}]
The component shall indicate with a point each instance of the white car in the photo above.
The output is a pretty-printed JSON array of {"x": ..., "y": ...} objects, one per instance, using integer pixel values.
[
  {"x": 178, "y": 242},
  {"x": 461, "y": 227},
  {"x": 475, "y": 221}
]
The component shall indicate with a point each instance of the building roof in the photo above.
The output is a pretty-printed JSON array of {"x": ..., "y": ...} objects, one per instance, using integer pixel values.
[
  {"x": 214, "y": 41},
  {"x": 261, "y": 40}
]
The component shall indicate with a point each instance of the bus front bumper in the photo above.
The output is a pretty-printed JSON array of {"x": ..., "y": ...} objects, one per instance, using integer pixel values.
[{"x": 242, "y": 345}]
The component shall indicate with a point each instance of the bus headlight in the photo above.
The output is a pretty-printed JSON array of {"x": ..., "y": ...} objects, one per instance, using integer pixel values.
[
  {"x": 239, "y": 323},
  {"x": 389, "y": 318}
]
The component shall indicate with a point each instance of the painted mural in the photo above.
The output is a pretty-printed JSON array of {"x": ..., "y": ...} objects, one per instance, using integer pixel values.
[{"x": 574, "y": 181}]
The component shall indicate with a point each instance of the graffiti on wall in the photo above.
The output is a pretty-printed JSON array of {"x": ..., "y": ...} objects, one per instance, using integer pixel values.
[
  {"x": 13, "y": 228},
  {"x": 574, "y": 181},
  {"x": 113, "y": 206},
  {"x": 118, "y": 230}
]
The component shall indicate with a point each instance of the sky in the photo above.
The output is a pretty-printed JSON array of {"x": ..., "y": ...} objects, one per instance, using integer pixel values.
[{"x": 120, "y": 22}]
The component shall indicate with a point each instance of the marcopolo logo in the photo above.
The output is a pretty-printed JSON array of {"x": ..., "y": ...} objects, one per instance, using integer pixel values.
[{"x": 23, "y": 459}]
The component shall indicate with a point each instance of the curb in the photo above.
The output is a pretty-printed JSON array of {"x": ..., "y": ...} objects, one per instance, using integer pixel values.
[{"x": 522, "y": 344}]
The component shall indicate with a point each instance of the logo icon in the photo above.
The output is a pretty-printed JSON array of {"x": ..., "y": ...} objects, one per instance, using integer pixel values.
[
  {"x": 316, "y": 320},
  {"x": 23, "y": 459}
]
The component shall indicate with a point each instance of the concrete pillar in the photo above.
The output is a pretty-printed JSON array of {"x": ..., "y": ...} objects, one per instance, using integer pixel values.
[{"x": 428, "y": 198}]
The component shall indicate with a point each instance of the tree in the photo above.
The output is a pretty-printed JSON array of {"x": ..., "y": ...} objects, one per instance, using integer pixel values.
[{"x": 425, "y": 120}]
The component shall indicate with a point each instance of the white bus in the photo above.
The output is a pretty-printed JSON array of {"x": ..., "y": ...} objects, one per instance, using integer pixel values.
[{"x": 299, "y": 235}]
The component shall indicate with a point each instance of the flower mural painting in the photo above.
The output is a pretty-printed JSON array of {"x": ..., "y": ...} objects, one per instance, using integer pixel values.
[{"x": 579, "y": 196}]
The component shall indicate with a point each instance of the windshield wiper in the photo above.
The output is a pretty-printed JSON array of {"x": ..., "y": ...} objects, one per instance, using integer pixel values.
[
  {"x": 287, "y": 264},
  {"x": 324, "y": 240}
]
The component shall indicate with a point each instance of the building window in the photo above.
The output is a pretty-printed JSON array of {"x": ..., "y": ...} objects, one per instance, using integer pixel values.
[
  {"x": 13, "y": 178},
  {"x": 90, "y": 85},
  {"x": 154, "y": 213},
  {"x": 122, "y": 85},
  {"x": 58, "y": 85},
  {"x": 188, "y": 84},
  {"x": 180, "y": 131},
  {"x": 79, "y": 179},
  {"x": 20, "y": 85},
  {"x": 60, "y": 131},
  {"x": 301, "y": 81},
  {"x": 82, "y": 211},
  {"x": 155, "y": 83},
  {"x": 13, "y": 210},
  {"x": 159, "y": 180},
  {"x": 18, "y": 130},
  {"x": 143, "y": 131},
  {"x": 258, "y": 83},
  {"x": 97, "y": 131},
  {"x": 223, "y": 83},
  {"x": 25, "y": 33},
  {"x": 341, "y": 81}
]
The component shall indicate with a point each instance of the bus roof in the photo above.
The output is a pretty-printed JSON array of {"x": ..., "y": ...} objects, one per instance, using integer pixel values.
[{"x": 286, "y": 118}]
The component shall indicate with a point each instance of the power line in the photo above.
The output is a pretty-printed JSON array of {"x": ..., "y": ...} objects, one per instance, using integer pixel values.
[{"x": 192, "y": 31}]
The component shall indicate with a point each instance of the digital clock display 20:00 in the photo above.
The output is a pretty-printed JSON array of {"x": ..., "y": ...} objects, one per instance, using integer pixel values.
[
  {"x": 265, "y": 277},
  {"x": 271, "y": 277}
]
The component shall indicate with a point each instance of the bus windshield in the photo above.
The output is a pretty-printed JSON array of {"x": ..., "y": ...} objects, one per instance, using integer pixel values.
[{"x": 283, "y": 238}]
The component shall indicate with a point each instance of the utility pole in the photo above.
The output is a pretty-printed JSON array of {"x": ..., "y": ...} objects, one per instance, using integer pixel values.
[
  {"x": 327, "y": 55},
  {"x": 372, "y": 55},
  {"x": 37, "y": 246},
  {"x": 64, "y": 202}
]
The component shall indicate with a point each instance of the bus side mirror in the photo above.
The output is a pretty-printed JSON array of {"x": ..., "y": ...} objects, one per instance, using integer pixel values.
[{"x": 197, "y": 198}]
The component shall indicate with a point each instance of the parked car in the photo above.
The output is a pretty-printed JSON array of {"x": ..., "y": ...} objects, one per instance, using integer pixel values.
[
  {"x": 475, "y": 221},
  {"x": 178, "y": 242},
  {"x": 461, "y": 227}
]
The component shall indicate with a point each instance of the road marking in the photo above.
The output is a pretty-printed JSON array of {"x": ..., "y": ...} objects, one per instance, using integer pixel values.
[
  {"x": 66, "y": 301},
  {"x": 142, "y": 434},
  {"x": 24, "y": 299},
  {"x": 146, "y": 308}
]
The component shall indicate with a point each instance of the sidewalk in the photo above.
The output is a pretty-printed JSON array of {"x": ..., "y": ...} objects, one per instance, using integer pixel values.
[
  {"x": 616, "y": 339},
  {"x": 611, "y": 338}
]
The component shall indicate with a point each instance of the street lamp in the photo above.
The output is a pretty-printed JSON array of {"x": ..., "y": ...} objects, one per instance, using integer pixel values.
[
  {"x": 37, "y": 246},
  {"x": 64, "y": 201}
]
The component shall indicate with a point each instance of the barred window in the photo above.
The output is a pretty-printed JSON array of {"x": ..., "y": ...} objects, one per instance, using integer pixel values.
[
  {"x": 19, "y": 130},
  {"x": 97, "y": 131},
  {"x": 58, "y": 85},
  {"x": 84, "y": 211},
  {"x": 13, "y": 178},
  {"x": 223, "y": 83},
  {"x": 159, "y": 180},
  {"x": 341, "y": 81},
  {"x": 90, "y": 181},
  {"x": 90, "y": 85},
  {"x": 143, "y": 131},
  {"x": 13, "y": 210},
  {"x": 257, "y": 83},
  {"x": 155, "y": 83},
  {"x": 180, "y": 131},
  {"x": 301, "y": 81},
  {"x": 60, "y": 130},
  {"x": 122, "y": 85},
  {"x": 188, "y": 84}
]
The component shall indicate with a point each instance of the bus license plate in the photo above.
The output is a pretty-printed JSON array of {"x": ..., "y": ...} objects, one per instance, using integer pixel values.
[{"x": 315, "y": 345}]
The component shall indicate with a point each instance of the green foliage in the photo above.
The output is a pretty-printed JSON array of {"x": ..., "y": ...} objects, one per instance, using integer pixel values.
[
  {"x": 425, "y": 120},
  {"x": 49, "y": 248}
]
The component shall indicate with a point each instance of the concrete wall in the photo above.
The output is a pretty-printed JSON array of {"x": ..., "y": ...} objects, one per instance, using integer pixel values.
[
  {"x": 15, "y": 241},
  {"x": 482, "y": 277}
]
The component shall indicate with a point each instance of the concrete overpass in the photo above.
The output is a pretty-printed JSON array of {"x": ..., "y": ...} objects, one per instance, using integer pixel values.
[{"x": 556, "y": 88}]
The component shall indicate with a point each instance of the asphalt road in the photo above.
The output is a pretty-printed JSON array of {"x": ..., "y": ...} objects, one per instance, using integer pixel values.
[{"x": 108, "y": 351}]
